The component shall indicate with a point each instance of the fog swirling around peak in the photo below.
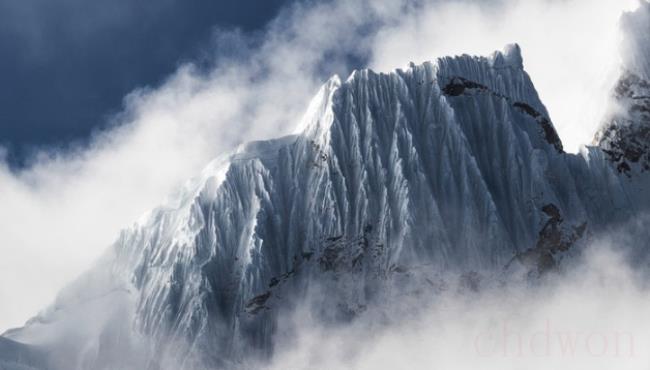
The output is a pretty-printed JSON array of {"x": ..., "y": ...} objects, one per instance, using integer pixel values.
[
  {"x": 61, "y": 212},
  {"x": 593, "y": 316},
  {"x": 590, "y": 315},
  {"x": 65, "y": 209},
  {"x": 636, "y": 54},
  {"x": 571, "y": 49}
]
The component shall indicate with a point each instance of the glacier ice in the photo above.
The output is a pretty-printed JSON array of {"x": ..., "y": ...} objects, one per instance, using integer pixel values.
[{"x": 448, "y": 167}]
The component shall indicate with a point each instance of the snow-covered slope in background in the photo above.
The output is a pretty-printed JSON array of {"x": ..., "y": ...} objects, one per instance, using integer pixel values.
[{"x": 449, "y": 168}]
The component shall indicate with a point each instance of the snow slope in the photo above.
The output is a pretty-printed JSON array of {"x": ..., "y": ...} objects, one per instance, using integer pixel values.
[{"x": 450, "y": 168}]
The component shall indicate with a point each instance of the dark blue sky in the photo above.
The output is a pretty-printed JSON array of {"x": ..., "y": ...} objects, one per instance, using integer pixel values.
[{"x": 65, "y": 65}]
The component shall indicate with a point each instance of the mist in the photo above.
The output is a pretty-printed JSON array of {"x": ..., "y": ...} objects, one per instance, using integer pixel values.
[
  {"x": 591, "y": 316},
  {"x": 67, "y": 206}
]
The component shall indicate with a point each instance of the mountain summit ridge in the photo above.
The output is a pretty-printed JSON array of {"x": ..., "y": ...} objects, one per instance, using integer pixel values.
[{"x": 450, "y": 167}]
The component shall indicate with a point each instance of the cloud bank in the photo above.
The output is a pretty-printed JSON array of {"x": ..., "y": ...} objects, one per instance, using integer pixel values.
[
  {"x": 593, "y": 316},
  {"x": 67, "y": 206}
]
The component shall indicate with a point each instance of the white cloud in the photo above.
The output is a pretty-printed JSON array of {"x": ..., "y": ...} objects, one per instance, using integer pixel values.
[
  {"x": 60, "y": 213},
  {"x": 570, "y": 49},
  {"x": 593, "y": 317}
]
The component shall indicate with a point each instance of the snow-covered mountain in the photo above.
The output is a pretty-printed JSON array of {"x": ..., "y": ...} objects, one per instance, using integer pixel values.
[
  {"x": 392, "y": 180},
  {"x": 626, "y": 137}
]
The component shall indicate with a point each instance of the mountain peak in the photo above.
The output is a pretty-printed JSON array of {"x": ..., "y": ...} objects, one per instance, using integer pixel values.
[
  {"x": 509, "y": 57},
  {"x": 392, "y": 179},
  {"x": 625, "y": 137}
]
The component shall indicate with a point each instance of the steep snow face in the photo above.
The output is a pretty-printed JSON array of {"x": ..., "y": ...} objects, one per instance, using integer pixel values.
[
  {"x": 17, "y": 356},
  {"x": 450, "y": 167}
]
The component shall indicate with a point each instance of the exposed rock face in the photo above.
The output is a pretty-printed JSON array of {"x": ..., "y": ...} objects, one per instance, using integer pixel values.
[
  {"x": 458, "y": 86},
  {"x": 553, "y": 239},
  {"x": 451, "y": 167},
  {"x": 625, "y": 136},
  {"x": 626, "y": 139}
]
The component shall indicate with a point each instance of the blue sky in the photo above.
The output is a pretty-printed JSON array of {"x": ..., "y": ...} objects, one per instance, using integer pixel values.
[{"x": 65, "y": 66}]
